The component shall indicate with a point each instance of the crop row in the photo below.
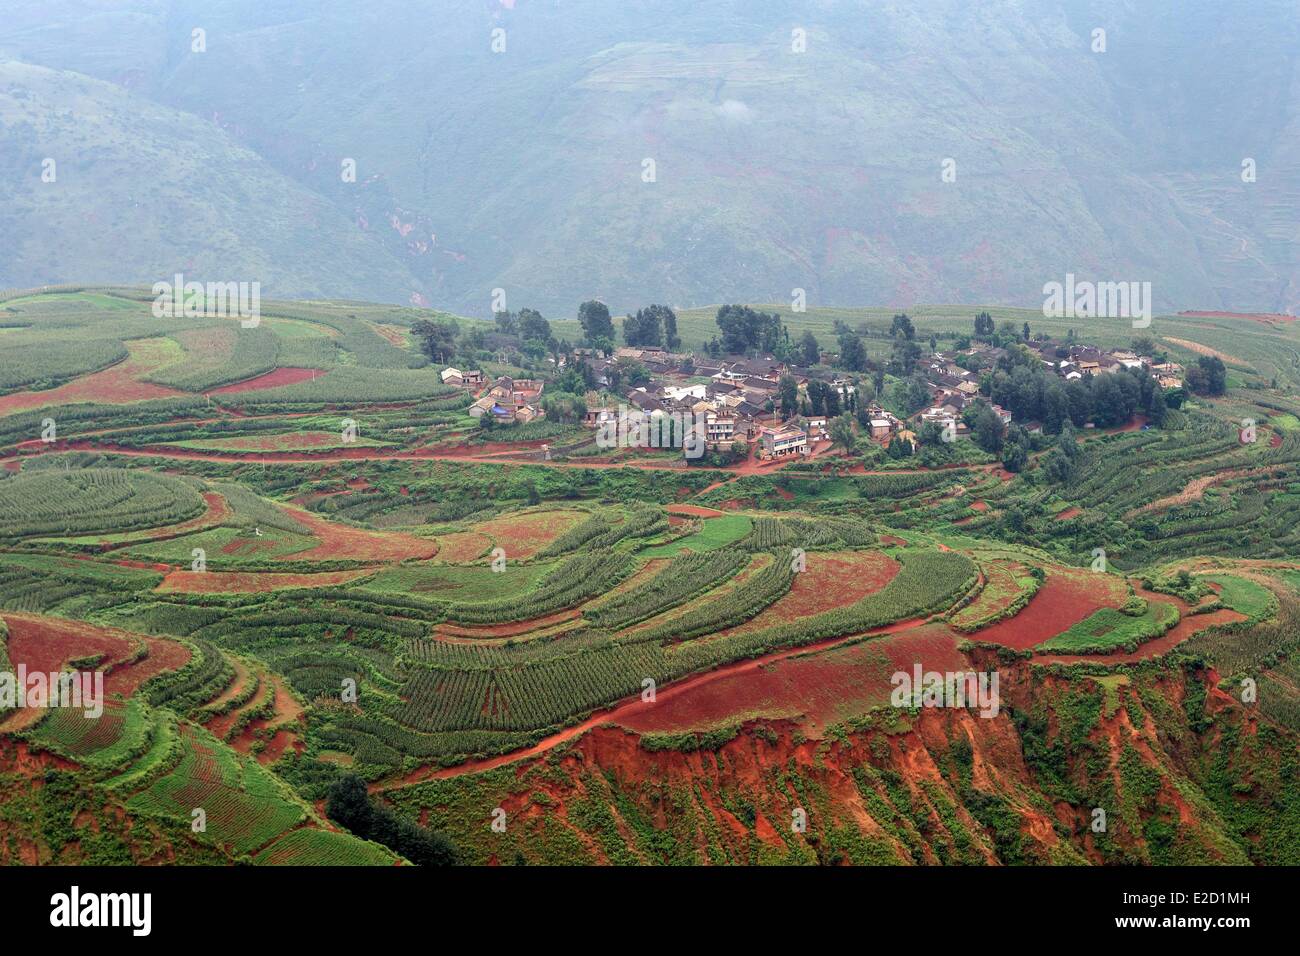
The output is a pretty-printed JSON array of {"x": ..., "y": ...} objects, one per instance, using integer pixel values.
[
  {"x": 50, "y": 502},
  {"x": 681, "y": 580}
]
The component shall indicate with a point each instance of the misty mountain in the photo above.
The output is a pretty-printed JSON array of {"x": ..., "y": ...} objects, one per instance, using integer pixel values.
[{"x": 508, "y": 143}]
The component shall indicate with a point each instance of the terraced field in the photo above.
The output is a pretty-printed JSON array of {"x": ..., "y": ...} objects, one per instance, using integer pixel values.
[{"x": 628, "y": 657}]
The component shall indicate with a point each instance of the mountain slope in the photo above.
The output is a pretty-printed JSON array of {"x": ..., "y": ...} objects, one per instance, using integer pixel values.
[
  {"x": 141, "y": 192},
  {"x": 774, "y": 169}
]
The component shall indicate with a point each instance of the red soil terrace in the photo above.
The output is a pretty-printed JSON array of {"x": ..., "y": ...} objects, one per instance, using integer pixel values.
[
  {"x": 1065, "y": 598},
  {"x": 821, "y": 688},
  {"x": 343, "y": 542},
  {"x": 831, "y": 580},
  {"x": 281, "y": 376},
  {"x": 119, "y": 384}
]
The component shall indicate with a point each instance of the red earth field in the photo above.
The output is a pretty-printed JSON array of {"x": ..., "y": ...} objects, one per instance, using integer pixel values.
[
  {"x": 693, "y": 511},
  {"x": 462, "y": 546},
  {"x": 507, "y": 630},
  {"x": 117, "y": 385},
  {"x": 343, "y": 542},
  {"x": 1065, "y": 598},
  {"x": 47, "y": 644},
  {"x": 1188, "y": 624},
  {"x": 284, "y": 725},
  {"x": 522, "y": 536},
  {"x": 218, "y": 510},
  {"x": 822, "y": 688},
  {"x": 832, "y": 580},
  {"x": 281, "y": 376}
]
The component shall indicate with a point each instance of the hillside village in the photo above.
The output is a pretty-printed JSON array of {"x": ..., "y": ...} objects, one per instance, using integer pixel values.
[{"x": 759, "y": 406}]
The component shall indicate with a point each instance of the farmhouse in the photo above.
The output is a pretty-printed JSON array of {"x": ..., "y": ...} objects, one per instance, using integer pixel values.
[
  {"x": 596, "y": 417},
  {"x": 783, "y": 441},
  {"x": 881, "y": 428},
  {"x": 945, "y": 416},
  {"x": 490, "y": 406},
  {"x": 719, "y": 429}
]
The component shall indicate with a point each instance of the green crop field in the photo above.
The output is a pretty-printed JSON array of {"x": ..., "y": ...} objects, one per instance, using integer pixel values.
[
  {"x": 440, "y": 613},
  {"x": 1108, "y": 630}
]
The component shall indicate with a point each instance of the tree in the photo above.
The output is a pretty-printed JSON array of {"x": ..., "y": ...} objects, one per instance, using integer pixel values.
[
  {"x": 437, "y": 338},
  {"x": 901, "y": 323},
  {"x": 1151, "y": 398},
  {"x": 533, "y": 327},
  {"x": 987, "y": 430},
  {"x": 672, "y": 340},
  {"x": 1109, "y": 407},
  {"x": 904, "y": 355},
  {"x": 349, "y": 804},
  {"x": 631, "y": 372},
  {"x": 744, "y": 330},
  {"x": 1014, "y": 457},
  {"x": 983, "y": 326},
  {"x": 1079, "y": 399},
  {"x": 1024, "y": 332},
  {"x": 929, "y": 434},
  {"x": 809, "y": 349},
  {"x": 1056, "y": 407},
  {"x": 644, "y": 328},
  {"x": 1015, "y": 453},
  {"x": 652, "y": 325},
  {"x": 841, "y": 431},
  {"x": 577, "y": 378},
  {"x": 911, "y": 394},
  {"x": 564, "y": 407},
  {"x": 596, "y": 324},
  {"x": 1013, "y": 519},
  {"x": 1059, "y": 463},
  {"x": 853, "y": 354},
  {"x": 817, "y": 396},
  {"x": 505, "y": 323},
  {"x": 788, "y": 392},
  {"x": 900, "y": 448},
  {"x": 1208, "y": 376}
]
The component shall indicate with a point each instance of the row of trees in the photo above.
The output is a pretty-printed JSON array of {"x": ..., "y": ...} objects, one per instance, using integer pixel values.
[{"x": 653, "y": 325}]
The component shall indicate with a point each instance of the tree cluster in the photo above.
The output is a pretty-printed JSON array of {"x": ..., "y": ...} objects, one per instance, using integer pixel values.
[{"x": 350, "y": 805}]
